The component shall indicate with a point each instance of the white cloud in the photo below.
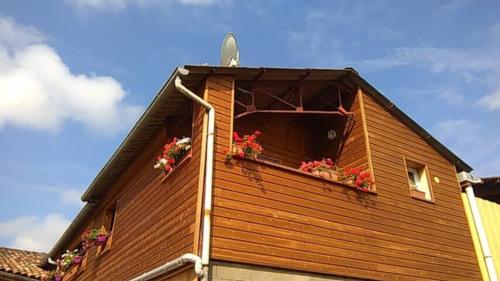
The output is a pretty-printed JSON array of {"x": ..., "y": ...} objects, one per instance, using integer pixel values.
[
  {"x": 492, "y": 100},
  {"x": 454, "y": 5},
  {"x": 450, "y": 94},
  {"x": 71, "y": 196},
  {"x": 32, "y": 232},
  {"x": 38, "y": 91},
  {"x": 15, "y": 35},
  {"x": 197, "y": 2},
  {"x": 473, "y": 65},
  {"x": 121, "y": 4},
  {"x": 437, "y": 59},
  {"x": 67, "y": 195},
  {"x": 449, "y": 130},
  {"x": 474, "y": 142}
]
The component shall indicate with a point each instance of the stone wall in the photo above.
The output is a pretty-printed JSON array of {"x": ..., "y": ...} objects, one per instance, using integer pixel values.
[{"x": 220, "y": 271}]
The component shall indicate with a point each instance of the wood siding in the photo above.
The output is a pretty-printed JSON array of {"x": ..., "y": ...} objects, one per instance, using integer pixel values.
[
  {"x": 270, "y": 216},
  {"x": 155, "y": 219},
  {"x": 353, "y": 153}
]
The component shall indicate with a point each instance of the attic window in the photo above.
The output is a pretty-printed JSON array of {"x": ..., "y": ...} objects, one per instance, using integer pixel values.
[{"x": 418, "y": 180}]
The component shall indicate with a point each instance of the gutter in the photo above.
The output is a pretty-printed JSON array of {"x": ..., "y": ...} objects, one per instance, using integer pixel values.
[
  {"x": 207, "y": 210},
  {"x": 483, "y": 239}
]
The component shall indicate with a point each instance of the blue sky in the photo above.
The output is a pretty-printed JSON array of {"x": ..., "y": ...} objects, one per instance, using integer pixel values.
[{"x": 76, "y": 74}]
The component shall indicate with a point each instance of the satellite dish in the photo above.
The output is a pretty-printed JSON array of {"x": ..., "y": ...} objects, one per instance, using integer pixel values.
[{"x": 229, "y": 54}]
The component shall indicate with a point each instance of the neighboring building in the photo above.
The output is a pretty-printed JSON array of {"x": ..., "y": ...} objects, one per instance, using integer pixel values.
[
  {"x": 19, "y": 265},
  {"x": 487, "y": 197},
  {"x": 264, "y": 219}
]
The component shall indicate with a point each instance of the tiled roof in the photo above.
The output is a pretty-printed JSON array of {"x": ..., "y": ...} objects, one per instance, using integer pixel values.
[{"x": 23, "y": 263}]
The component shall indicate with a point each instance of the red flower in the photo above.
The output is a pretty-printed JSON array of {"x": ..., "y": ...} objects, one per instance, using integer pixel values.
[
  {"x": 241, "y": 153},
  {"x": 236, "y": 137},
  {"x": 244, "y": 147}
]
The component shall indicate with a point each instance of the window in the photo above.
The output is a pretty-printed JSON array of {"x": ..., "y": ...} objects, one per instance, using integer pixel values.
[
  {"x": 108, "y": 224},
  {"x": 418, "y": 180},
  {"x": 413, "y": 178},
  {"x": 83, "y": 254}
]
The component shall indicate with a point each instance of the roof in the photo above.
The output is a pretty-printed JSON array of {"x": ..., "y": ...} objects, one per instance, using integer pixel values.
[
  {"x": 169, "y": 101},
  {"x": 21, "y": 263},
  {"x": 488, "y": 189}
]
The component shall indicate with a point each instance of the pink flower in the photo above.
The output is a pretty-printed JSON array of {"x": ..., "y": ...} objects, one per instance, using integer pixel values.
[{"x": 241, "y": 153}]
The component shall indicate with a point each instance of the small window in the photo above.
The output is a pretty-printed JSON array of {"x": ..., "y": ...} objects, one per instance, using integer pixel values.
[
  {"x": 83, "y": 255},
  {"x": 413, "y": 178},
  {"x": 418, "y": 180},
  {"x": 108, "y": 224}
]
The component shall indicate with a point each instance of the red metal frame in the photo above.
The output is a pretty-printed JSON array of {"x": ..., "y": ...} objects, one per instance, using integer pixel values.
[{"x": 252, "y": 108}]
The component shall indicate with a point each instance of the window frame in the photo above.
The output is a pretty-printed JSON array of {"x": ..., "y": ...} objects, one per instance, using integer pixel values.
[
  {"x": 416, "y": 178},
  {"x": 111, "y": 208},
  {"x": 412, "y": 165}
]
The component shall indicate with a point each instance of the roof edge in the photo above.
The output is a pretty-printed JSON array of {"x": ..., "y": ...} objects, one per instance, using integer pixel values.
[
  {"x": 392, "y": 108},
  {"x": 14, "y": 276},
  {"x": 82, "y": 216},
  {"x": 88, "y": 194}
]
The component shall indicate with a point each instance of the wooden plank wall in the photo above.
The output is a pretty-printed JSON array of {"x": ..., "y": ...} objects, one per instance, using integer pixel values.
[
  {"x": 268, "y": 216},
  {"x": 353, "y": 153},
  {"x": 287, "y": 141},
  {"x": 155, "y": 220},
  {"x": 390, "y": 141}
]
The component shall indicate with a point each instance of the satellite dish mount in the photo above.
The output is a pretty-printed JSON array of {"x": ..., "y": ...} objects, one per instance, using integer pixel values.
[{"x": 230, "y": 54}]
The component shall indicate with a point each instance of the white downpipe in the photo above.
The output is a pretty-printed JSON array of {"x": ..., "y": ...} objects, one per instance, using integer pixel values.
[
  {"x": 198, "y": 262},
  {"x": 171, "y": 265},
  {"x": 483, "y": 240},
  {"x": 207, "y": 210}
]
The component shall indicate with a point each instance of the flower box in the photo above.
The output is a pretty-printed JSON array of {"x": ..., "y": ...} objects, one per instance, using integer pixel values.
[
  {"x": 418, "y": 194},
  {"x": 334, "y": 176},
  {"x": 172, "y": 154},
  {"x": 246, "y": 146}
]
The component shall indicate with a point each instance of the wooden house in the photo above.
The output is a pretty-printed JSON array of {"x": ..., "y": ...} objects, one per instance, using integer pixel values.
[{"x": 262, "y": 218}]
